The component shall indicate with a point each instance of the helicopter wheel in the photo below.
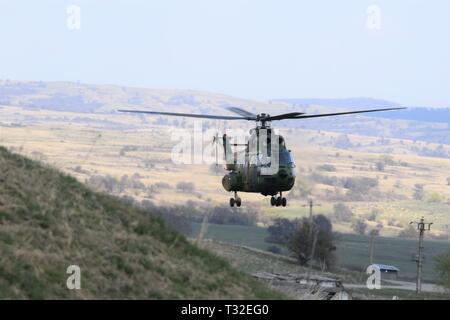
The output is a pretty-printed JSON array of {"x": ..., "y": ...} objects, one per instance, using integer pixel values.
[
  {"x": 232, "y": 202},
  {"x": 279, "y": 202},
  {"x": 283, "y": 202},
  {"x": 273, "y": 201},
  {"x": 238, "y": 202}
]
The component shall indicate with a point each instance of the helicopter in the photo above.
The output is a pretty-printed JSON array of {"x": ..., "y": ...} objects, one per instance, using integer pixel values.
[{"x": 266, "y": 165}]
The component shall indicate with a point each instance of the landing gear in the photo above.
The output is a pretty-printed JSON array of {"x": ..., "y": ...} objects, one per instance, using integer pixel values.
[
  {"x": 235, "y": 201},
  {"x": 278, "y": 201},
  {"x": 273, "y": 201}
]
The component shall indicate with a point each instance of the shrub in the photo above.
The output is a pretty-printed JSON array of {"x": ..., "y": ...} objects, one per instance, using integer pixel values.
[
  {"x": 185, "y": 186},
  {"x": 435, "y": 197},
  {"x": 442, "y": 266},
  {"x": 281, "y": 231},
  {"x": 302, "y": 241},
  {"x": 343, "y": 142},
  {"x": 342, "y": 212},
  {"x": 418, "y": 192},
  {"x": 372, "y": 216},
  {"x": 359, "y": 227},
  {"x": 326, "y": 167},
  {"x": 226, "y": 215},
  {"x": 380, "y": 165}
]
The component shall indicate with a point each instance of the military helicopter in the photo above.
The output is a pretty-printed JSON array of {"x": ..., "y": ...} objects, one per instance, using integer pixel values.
[{"x": 256, "y": 172}]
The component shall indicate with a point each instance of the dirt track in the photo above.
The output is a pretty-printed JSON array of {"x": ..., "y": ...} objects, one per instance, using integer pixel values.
[{"x": 402, "y": 285}]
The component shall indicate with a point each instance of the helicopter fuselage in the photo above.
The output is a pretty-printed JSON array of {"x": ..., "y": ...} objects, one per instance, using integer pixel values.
[
  {"x": 251, "y": 176},
  {"x": 248, "y": 178}
]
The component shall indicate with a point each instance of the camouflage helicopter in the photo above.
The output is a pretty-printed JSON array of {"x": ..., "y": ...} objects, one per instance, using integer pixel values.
[{"x": 266, "y": 165}]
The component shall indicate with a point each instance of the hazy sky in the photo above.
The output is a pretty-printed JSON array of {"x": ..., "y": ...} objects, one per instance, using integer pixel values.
[{"x": 248, "y": 48}]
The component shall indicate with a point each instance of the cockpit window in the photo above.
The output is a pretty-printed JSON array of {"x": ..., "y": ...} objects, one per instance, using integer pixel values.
[{"x": 285, "y": 158}]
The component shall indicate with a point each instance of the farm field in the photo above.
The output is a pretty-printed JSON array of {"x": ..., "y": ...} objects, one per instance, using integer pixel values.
[
  {"x": 87, "y": 150},
  {"x": 352, "y": 250}
]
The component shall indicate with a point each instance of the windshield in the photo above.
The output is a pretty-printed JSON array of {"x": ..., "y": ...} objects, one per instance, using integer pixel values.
[{"x": 285, "y": 158}]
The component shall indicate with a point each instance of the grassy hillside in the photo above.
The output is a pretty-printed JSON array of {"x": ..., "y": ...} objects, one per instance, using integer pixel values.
[{"x": 49, "y": 221}]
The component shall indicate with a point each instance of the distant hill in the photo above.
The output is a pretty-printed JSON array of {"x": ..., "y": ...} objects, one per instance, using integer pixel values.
[
  {"x": 425, "y": 114},
  {"x": 49, "y": 221},
  {"x": 415, "y": 123},
  {"x": 342, "y": 103},
  {"x": 86, "y": 98}
]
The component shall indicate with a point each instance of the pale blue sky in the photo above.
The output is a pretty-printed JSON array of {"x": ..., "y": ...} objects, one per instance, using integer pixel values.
[{"x": 257, "y": 49}]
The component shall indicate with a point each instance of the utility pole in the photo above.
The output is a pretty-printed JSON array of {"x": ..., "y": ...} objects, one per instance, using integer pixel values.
[
  {"x": 310, "y": 204},
  {"x": 422, "y": 226},
  {"x": 372, "y": 240},
  {"x": 312, "y": 227},
  {"x": 313, "y": 250}
]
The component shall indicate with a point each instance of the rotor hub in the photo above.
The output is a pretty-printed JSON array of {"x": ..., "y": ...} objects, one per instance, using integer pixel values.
[
  {"x": 262, "y": 117},
  {"x": 262, "y": 120}
]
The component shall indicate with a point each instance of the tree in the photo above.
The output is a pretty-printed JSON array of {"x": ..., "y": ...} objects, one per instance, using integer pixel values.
[
  {"x": 442, "y": 266},
  {"x": 319, "y": 235},
  {"x": 343, "y": 142},
  {"x": 229, "y": 216},
  {"x": 359, "y": 227},
  {"x": 281, "y": 231},
  {"x": 342, "y": 212},
  {"x": 185, "y": 186},
  {"x": 380, "y": 165},
  {"x": 409, "y": 232},
  {"x": 326, "y": 167},
  {"x": 434, "y": 197},
  {"x": 419, "y": 193},
  {"x": 372, "y": 216}
]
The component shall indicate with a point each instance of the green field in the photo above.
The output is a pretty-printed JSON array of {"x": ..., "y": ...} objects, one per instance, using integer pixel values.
[{"x": 352, "y": 250}]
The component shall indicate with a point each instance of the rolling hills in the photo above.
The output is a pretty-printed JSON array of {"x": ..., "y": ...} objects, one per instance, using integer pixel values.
[{"x": 49, "y": 220}]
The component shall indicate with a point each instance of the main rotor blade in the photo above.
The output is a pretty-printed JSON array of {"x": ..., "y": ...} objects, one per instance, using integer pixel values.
[
  {"x": 292, "y": 115},
  {"x": 241, "y": 112},
  {"x": 343, "y": 113},
  {"x": 190, "y": 115}
]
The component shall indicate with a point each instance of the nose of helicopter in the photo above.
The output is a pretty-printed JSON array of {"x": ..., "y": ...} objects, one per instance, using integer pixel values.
[
  {"x": 283, "y": 174},
  {"x": 286, "y": 178}
]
